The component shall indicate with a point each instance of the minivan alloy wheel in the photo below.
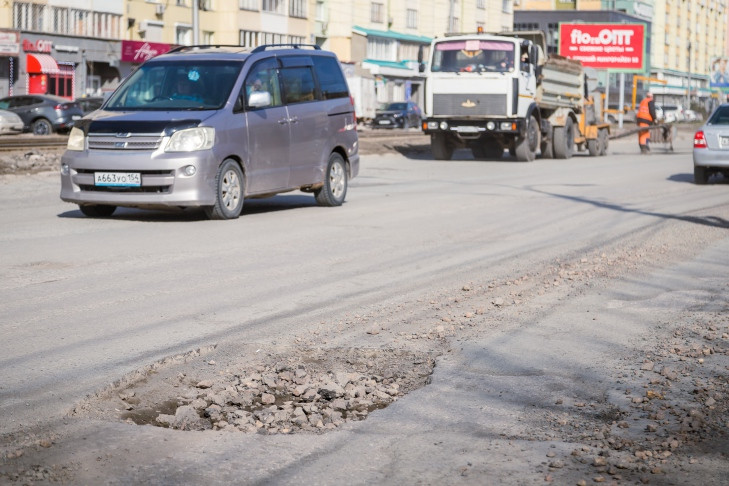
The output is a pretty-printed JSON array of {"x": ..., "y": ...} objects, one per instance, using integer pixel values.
[
  {"x": 229, "y": 193},
  {"x": 334, "y": 190}
]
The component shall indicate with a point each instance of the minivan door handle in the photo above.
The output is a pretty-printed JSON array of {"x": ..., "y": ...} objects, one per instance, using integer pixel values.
[
  {"x": 283, "y": 121},
  {"x": 294, "y": 119}
]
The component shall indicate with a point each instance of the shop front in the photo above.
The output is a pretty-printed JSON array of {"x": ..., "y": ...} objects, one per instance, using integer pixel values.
[{"x": 69, "y": 67}]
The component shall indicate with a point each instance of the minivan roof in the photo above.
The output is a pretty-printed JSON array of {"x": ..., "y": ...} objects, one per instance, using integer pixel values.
[{"x": 235, "y": 51}]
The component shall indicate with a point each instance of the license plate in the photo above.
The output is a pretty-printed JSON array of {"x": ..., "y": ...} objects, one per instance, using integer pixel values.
[
  {"x": 75, "y": 117},
  {"x": 384, "y": 122},
  {"x": 467, "y": 129},
  {"x": 118, "y": 179},
  {"x": 724, "y": 142}
]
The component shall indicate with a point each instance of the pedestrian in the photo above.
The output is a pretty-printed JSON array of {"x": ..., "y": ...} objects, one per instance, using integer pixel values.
[{"x": 646, "y": 117}]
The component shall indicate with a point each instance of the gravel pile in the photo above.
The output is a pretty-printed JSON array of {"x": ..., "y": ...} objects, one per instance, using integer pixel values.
[{"x": 284, "y": 396}]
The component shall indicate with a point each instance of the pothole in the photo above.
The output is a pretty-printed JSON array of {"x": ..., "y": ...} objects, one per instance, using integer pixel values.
[{"x": 302, "y": 390}]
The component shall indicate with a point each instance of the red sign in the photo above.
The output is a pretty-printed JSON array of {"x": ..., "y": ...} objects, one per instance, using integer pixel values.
[
  {"x": 138, "y": 52},
  {"x": 40, "y": 45},
  {"x": 604, "y": 46}
]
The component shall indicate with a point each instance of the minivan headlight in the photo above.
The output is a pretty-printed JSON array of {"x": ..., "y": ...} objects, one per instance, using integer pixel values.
[
  {"x": 75, "y": 139},
  {"x": 191, "y": 139}
]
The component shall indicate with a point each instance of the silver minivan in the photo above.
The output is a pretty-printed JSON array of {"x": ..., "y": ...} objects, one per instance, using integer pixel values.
[{"x": 208, "y": 126}]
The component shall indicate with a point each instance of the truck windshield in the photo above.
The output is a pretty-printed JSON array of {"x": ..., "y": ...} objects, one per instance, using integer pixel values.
[
  {"x": 176, "y": 85},
  {"x": 473, "y": 56}
]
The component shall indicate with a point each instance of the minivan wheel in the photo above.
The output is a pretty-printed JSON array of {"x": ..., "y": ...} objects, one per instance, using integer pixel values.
[
  {"x": 97, "y": 210},
  {"x": 334, "y": 190},
  {"x": 42, "y": 127},
  {"x": 229, "y": 192}
]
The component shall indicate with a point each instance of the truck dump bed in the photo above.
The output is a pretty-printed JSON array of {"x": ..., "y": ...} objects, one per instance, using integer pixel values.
[{"x": 562, "y": 84}]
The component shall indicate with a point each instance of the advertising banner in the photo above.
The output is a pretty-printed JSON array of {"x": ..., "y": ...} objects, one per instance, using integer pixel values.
[
  {"x": 138, "y": 52},
  {"x": 719, "y": 72},
  {"x": 618, "y": 47}
]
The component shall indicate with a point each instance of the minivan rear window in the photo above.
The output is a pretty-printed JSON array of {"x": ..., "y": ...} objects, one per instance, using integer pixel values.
[
  {"x": 177, "y": 85},
  {"x": 331, "y": 80}
]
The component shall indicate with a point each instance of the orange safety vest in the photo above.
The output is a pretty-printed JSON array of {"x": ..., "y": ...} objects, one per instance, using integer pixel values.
[{"x": 644, "y": 113}]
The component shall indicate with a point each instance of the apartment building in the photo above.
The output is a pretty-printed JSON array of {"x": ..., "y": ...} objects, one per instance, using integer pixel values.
[{"x": 74, "y": 48}]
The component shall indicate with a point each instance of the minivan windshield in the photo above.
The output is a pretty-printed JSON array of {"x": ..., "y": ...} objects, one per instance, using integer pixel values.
[
  {"x": 473, "y": 56},
  {"x": 176, "y": 85}
]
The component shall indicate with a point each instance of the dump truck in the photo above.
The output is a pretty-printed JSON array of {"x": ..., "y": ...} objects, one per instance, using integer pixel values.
[{"x": 493, "y": 92}]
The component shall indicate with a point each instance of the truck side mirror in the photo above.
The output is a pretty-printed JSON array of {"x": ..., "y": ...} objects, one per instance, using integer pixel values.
[{"x": 421, "y": 66}]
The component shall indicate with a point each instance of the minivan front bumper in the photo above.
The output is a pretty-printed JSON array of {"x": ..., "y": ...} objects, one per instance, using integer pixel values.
[{"x": 164, "y": 181}]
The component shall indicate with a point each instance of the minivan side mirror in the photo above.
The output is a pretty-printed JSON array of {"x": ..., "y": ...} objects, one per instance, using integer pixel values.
[{"x": 259, "y": 99}]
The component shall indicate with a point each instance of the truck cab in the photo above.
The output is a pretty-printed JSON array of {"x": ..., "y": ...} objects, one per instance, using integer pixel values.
[{"x": 480, "y": 91}]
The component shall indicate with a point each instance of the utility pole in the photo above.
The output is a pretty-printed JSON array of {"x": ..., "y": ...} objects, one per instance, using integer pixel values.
[
  {"x": 195, "y": 22},
  {"x": 450, "y": 16}
]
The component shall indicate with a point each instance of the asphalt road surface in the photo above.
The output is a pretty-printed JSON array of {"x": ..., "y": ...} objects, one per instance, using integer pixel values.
[{"x": 535, "y": 285}]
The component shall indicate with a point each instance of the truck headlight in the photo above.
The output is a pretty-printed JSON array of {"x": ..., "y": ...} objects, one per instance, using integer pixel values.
[
  {"x": 191, "y": 139},
  {"x": 75, "y": 140},
  {"x": 444, "y": 125}
]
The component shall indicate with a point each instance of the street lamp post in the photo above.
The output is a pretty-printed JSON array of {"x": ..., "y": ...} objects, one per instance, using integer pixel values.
[{"x": 688, "y": 91}]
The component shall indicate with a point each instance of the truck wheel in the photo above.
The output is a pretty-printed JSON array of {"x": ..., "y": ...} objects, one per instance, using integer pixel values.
[
  {"x": 593, "y": 146},
  {"x": 602, "y": 136},
  {"x": 525, "y": 149},
  {"x": 442, "y": 149},
  {"x": 564, "y": 140}
]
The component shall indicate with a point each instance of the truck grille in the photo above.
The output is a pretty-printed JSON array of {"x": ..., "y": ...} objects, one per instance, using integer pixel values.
[
  {"x": 469, "y": 104},
  {"x": 132, "y": 142}
]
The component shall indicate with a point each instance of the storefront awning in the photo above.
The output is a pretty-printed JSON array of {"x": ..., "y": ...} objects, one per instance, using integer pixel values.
[{"x": 41, "y": 63}]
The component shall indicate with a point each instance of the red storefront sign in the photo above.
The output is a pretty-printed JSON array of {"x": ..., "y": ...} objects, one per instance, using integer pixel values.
[
  {"x": 138, "y": 52},
  {"x": 604, "y": 46}
]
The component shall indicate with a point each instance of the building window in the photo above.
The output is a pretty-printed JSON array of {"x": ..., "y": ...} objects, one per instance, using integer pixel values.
[
  {"x": 208, "y": 38},
  {"x": 297, "y": 8},
  {"x": 506, "y": 6},
  {"x": 412, "y": 18},
  {"x": 455, "y": 25},
  {"x": 182, "y": 3},
  {"x": 481, "y": 4},
  {"x": 183, "y": 35},
  {"x": 381, "y": 49},
  {"x": 377, "y": 13},
  {"x": 249, "y": 38},
  {"x": 206, "y": 5},
  {"x": 66, "y": 21},
  {"x": 248, "y": 4},
  {"x": 275, "y": 6}
]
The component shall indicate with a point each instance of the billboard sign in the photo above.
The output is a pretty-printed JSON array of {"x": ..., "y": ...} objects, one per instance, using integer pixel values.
[
  {"x": 619, "y": 47},
  {"x": 720, "y": 72},
  {"x": 138, "y": 52}
]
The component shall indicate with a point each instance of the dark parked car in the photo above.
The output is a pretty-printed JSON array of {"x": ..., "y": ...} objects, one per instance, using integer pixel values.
[
  {"x": 403, "y": 114},
  {"x": 43, "y": 114},
  {"x": 91, "y": 103}
]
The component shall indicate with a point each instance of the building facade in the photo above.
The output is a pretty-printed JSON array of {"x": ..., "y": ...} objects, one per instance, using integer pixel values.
[
  {"x": 686, "y": 40},
  {"x": 75, "y": 48}
]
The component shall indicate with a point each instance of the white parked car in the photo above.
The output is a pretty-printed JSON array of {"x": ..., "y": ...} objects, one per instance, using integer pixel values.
[
  {"x": 10, "y": 123},
  {"x": 692, "y": 116}
]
